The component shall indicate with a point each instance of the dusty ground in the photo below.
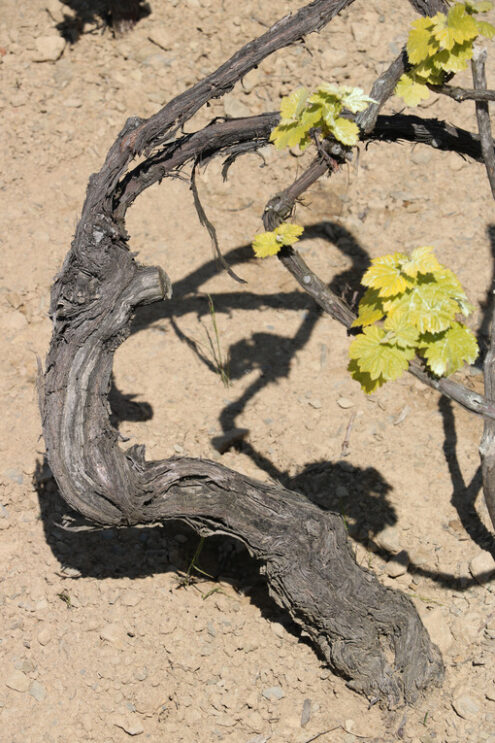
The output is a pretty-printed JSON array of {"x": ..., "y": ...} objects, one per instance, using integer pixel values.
[{"x": 99, "y": 640}]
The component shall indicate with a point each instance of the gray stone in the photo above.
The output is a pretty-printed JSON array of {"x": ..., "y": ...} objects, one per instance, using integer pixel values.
[
  {"x": 48, "y": 48},
  {"x": 273, "y": 692},
  {"x": 306, "y": 712}
]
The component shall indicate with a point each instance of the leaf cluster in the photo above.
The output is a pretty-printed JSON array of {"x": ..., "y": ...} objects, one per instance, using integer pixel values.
[
  {"x": 302, "y": 112},
  {"x": 411, "y": 306},
  {"x": 441, "y": 45}
]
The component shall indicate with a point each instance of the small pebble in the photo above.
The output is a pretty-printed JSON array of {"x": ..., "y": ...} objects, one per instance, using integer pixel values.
[
  {"x": 273, "y": 692},
  {"x": 345, "y": 402},
  {"x": 37, "y": 691},
  {"x": 130, "y": 726},
  {"x": 306, "y": 712},
  {"x": 482, "y": 566},
  {"x": 465, "y": 706},
  {"x": 18, "y": 681},
  {"x": 49, "y": 48},
  {"x": 398, "y": 565},
  {"x": 388, "y": 539}
]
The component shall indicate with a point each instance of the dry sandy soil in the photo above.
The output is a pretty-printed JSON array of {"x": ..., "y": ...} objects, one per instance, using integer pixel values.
[{"x": 100, "y": 636}]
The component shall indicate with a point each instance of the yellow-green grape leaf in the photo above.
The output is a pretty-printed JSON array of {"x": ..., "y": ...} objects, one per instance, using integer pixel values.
[
  {"x": 269, "y": 243},
  {"x": 288, "y": 234},
  {"x": 266, "y": 244},
  {"x": 422, "y": 260},
  {"x": 451, "y": 351},
  {"x": 444, "y": 34},
  {"x": 462, "y": 23},
  {"x": 449, "y": 281},
  {"x": 430, "y": 71},
  {"x": 431, "y": 307},
  {"x": 457, "y": 58},
  {"x": 288, "y": 135},
  {"x": 292, "y": 106},
  {"x": 482, "y": 7},
  {"x": 377, "y": 357},
  {"x": 355, "y": 99},
  {"x": 385, "y": 275},
  {"x": 345, "y": 131},
  {"x": 400, "y": 331},
  {"x": 311, "y": 117},
  {"x": 370, "y": 308},
  {"x": 486, "y": 29},
  {"x": 411, "y": 91},
  {"x": 420, "y": 43},
  {"x": 368, "y": 384},
  {"x": 328, "y": 93}
]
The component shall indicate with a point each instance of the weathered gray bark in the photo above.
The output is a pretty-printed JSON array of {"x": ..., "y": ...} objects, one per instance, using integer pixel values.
[{"x": 370, "y": 634}]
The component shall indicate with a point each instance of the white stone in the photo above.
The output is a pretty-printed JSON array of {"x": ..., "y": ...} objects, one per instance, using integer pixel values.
[
  {"x": 388, "y": 539},
  {"x": 130, "y": 725},
  {"x": 465, "y": 706},
  {"x": 37, "y": 691},
  {"x": 18, "y": 681},
  {"x": 48, "y": 48},
  {"x": 435, "y": 622},
  {"x": 44, "y": 635},
  {"x": 345, "y": 402},
  {"x": 482, "y": 565}
]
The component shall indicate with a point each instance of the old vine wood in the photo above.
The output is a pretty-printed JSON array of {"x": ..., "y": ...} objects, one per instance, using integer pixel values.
[{"x": 370, "y": 634}]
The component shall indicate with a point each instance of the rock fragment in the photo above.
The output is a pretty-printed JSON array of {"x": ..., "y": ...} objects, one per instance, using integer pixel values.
[
  {"x": 18, "y": 681},
  {"x": 398, "y": 565},
  {"x": 465, "y": 706},
  {"x": 37, "y": 691},
  {"x": 48, "y": 48},
  {"x": 129, "y": 725},
  {"x": 482, "y": 566},
  {"x": 273, "y": 692}
]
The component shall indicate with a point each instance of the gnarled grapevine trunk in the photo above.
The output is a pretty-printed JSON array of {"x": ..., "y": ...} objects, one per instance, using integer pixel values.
[{"x": 370, "y": 634}]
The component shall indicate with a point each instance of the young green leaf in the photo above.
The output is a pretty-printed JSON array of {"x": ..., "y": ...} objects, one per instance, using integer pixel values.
[
  {"x": 451, "y": 350},
  {"x": 377, "y": 357},
  {"x": 411, "y": 89},
  {"x": 385, "y": 274},
  {"x": 368, "y": 384},
  {"x": 422, "y": 260},
  {"x": 269, "y": 243},
  {"x": 345, "y": 131},
  {"x": 292, "y": 106},
  {"x": 370, "y": 308}
]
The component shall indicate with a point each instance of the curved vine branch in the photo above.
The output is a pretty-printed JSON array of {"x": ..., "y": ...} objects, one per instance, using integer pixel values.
[{"x": 369, "y": 634}]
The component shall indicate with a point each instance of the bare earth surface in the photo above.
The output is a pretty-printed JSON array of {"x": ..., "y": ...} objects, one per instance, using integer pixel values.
[{"x": 100, "y": 639}]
